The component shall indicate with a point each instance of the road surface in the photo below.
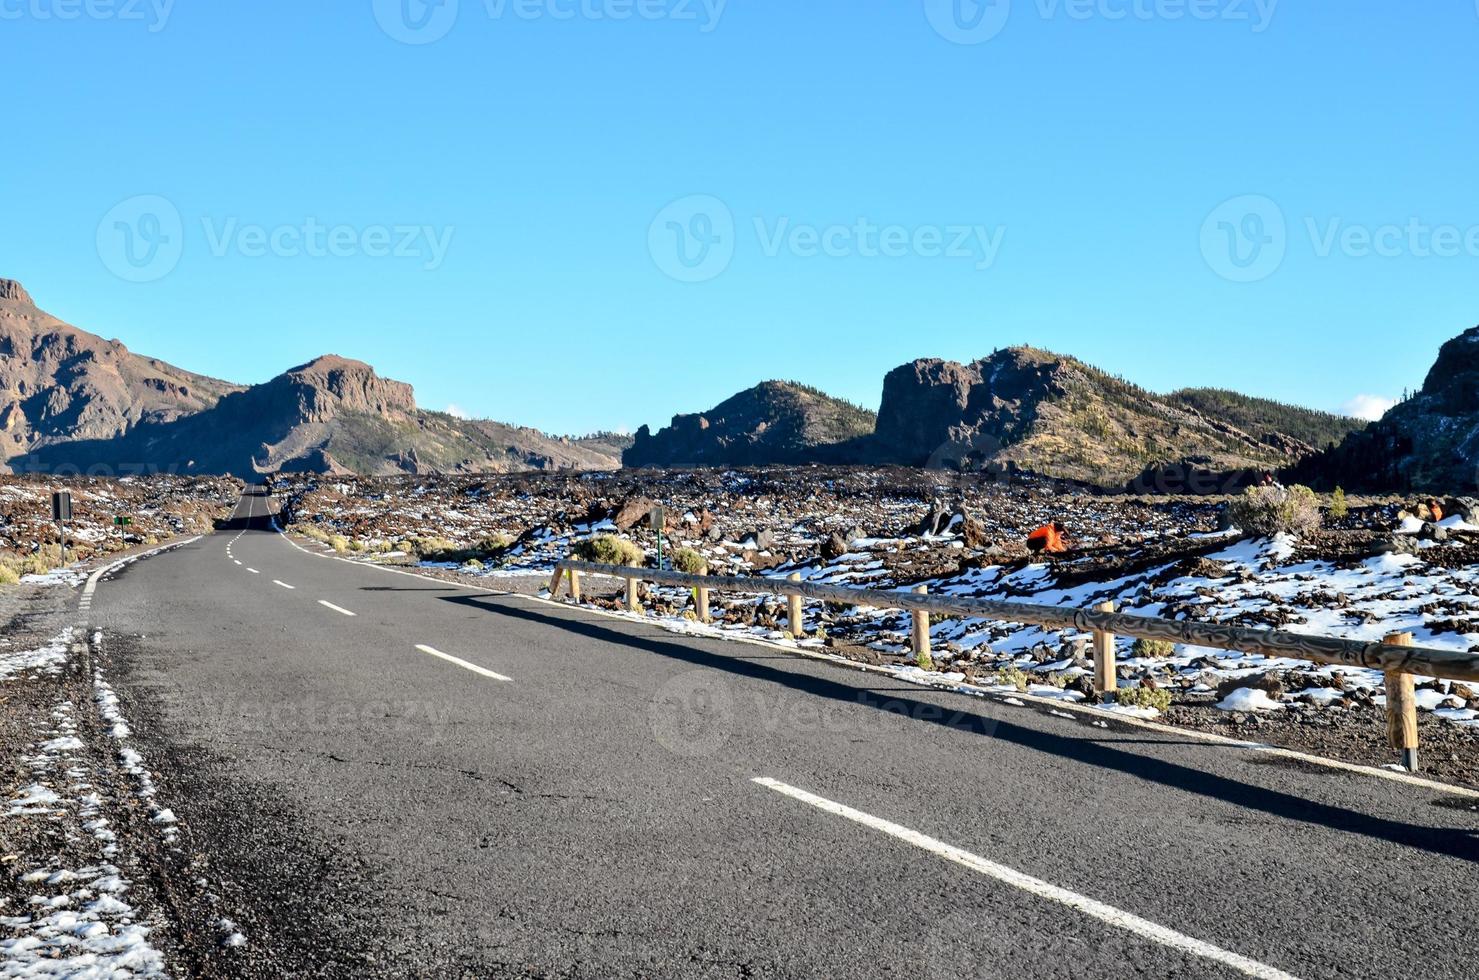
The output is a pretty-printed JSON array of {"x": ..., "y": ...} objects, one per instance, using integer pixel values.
[{"x": 530, "y": 789}]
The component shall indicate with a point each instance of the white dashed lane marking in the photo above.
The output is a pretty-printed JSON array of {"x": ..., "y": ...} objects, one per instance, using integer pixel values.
[
  {"x": 1036, "y": 886},
  {"x": 463, "y": 663},
  {"x": 337, "y": 609},
  {"x": 283, "y": 584}
]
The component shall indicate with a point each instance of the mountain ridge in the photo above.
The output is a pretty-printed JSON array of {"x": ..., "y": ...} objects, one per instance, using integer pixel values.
[{"x": 332, "y": 414}]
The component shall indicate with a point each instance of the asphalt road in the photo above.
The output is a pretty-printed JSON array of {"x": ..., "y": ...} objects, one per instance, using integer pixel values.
[{"x": 577, "y": 795}]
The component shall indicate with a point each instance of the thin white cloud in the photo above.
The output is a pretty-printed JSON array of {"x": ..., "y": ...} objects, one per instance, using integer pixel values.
[
  {"x": 458, "y": 412},
  {"x": 1368, "y": 407}
]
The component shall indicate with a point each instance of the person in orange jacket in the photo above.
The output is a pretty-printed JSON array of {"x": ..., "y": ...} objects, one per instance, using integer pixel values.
[{"x": 1051, "y": 538}]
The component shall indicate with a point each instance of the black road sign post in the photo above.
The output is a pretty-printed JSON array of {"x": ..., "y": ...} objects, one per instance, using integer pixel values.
[
  {"x": 61, "y": 512},
  {"x": 657, "y": 519}
]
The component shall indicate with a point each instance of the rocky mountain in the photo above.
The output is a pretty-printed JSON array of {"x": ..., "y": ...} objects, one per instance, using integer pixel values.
[
  {"x": 773, "y": 422},
  {"x": 1055, "y": 415},
  {"x": 331, "y": 415},
  {"x": 1430, "y": 442},
  {"x": 1264, "y": 418},
  {"x": 59, "y": 384}
]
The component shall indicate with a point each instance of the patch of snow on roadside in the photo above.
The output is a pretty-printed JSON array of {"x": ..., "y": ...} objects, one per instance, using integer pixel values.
[
  {"x": 48, "y": 659},
  {"x": 1249, "y": 699}
]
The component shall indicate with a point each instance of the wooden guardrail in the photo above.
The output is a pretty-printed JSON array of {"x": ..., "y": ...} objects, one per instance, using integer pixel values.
[{"x": 1396, "y": 656}]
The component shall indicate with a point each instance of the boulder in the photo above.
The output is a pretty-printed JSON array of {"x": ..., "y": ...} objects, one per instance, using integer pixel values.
[
  {"x": 973, "y": 533},
  {"x": 834, "y": 547},
  {"x": 934, "y": 522},
  {"x": 633, "y": 511},
  {"x": 1271, "y": 683}
]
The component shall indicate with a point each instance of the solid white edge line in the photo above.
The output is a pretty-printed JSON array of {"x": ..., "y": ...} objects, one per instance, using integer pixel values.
[
  {"x": 337, "y": 609},
  {"x": 1036, "y": 886},
  {"x": 91, "y": 585},
  {"x": 283, "y": 584},
  {"x": 463, "y": 663},
  {"x": 1354, "y": 768}
]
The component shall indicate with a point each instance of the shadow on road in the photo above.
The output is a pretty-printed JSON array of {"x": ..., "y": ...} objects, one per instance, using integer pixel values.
[{"x": 1460, "y": 844}]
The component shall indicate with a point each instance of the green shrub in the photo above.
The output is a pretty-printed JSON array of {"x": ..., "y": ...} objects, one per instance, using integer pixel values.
[
  {"x": 1012, "y": 677},
  {"x": 1143, "y": 697},
  {"x": 1339, "y": 509},
  {"x": 607, "y": 549},
  {"x": 690, "y": 562},
  {"x": 1266, "y": 511},
  {"x": 339, "y": 543},
  {"x": 924, "y": 661},
  {"x": 8, "y": 575},
  {"x": 435, "y": 549},
  {"x": 1152, "y": 648},
  {"x": 493, "y": 544},
  {"x": 473, "y": 565}
]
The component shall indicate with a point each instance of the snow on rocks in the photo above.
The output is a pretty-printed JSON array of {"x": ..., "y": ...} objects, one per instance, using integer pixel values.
[
  {"x": 885, "y": 530},
  {"x": 79, "y": 922},
  {"x": 1249, "y": 699}
]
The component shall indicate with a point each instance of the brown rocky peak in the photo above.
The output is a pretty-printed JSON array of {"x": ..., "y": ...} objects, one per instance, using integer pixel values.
[
  {"x": 353, "y": 385},
  {"x": 15, "y": 292}
]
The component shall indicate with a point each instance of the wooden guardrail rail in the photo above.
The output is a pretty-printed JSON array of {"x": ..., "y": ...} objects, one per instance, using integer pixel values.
[{"x": 1396, "y": 656}]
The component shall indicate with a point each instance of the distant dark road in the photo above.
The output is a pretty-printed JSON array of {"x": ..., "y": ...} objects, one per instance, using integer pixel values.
[{"x": 540, "y": 790}]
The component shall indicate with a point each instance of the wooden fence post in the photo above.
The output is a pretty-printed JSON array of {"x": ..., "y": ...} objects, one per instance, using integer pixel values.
[
  {"x": 574, "y": 585},
  {"x": 701, "y": 599},
  {"x": 1402, "y": 707},
  {"x": 793, "y": 611},
  {"x": 554, "y": 583},
  {"x": 921, "y": 635},
  {"x": 632, "y": 604},
  {"x": 1106, "y": 677}
]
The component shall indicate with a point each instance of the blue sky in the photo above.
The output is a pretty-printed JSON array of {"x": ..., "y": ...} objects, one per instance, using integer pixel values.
[{"x": 580, "y": 214}]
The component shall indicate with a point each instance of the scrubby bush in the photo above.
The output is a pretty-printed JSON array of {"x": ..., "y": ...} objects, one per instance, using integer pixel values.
[
  {"x": 472, "y": 565},
  {"x": 435, "y": 549},
  {"x": 1143, "y": 697},
  {"x": 1338, "y": 507},
  {"x": 492, "y": 544},
  {"x": 607, "y": 549},
  {"x": 1152, "y": 648},
  {"x": 1012, "y": 677},
  {"x": 8, "y": 575},
  {"x": 339, "y": 543},
  {"x": 1266, "y": 511},
  {"x": 690, "y": 562}
]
